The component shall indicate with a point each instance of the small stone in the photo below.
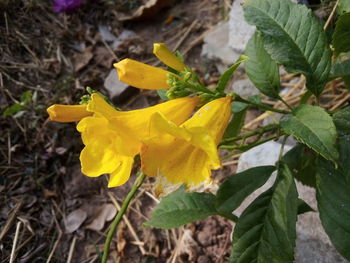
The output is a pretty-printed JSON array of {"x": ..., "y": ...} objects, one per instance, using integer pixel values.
[
  {"x": 216, "y": 47},
  {"x": 113, "y": 85},
  {"x": 203, "y": 259},
  {"x": 244, "y": 88},
  {"x": 239, "y": 30}
]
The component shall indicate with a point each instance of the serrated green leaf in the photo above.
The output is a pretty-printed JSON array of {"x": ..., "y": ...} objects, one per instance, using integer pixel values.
[
  {"x": 237, "y": 187},
  {"x": 343, "y": 6},
  {"x": 301, "y": 162},
  {"x": 341, "y": 36},
  {"x": 265, "y": 232},
  {"x": 294, "y": 37},
  {"x": 180, "y": 207},
  {"x": 333, "y": 198},
  {"x": 225, "y": 78},
  {"x": 261, "y": 69},
  {"x": 341, "y": 120},
  {"x": 313, "y": 126}
]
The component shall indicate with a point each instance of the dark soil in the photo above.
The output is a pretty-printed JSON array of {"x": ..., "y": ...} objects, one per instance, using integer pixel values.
[{"x": 42, "y": 191}]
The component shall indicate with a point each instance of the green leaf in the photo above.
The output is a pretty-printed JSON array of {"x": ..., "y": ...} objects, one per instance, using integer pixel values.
[
  {"x": 301, "y": 161},
  {"x": 341, "y": 69},
  {"x": 180, "y": 207},
  {"x": 237, "y": 187},
  {"x": 26, "y": 97},
  {"x": 265, "y": 232},
  {"x": 236, "y": 124},
  {"x": 225, "y": 78},
  {"x": 313, "y": 126},
  {"x": 341, "y": 36},
  {"x": 261, "y": 69},
  {"x": 343, "y": 6},
  {"x": 303, "y": 207},
  {"x": 333, "y": 199},
  {"x": 341, "y": 120},
  {"x": 294, "y": 37},
  {"x": 12, "y": 110}
]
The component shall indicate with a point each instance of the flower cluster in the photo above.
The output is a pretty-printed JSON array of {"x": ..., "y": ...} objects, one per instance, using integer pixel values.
[{"x": 172, "y": 145}]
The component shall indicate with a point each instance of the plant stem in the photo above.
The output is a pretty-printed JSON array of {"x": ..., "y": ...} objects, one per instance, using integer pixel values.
[
  {"x": 246, "y": 147},
  {"x": 138, "y": 182},
  {"x": 259, "y": 105},
  {"x": 260, "y": 131}
]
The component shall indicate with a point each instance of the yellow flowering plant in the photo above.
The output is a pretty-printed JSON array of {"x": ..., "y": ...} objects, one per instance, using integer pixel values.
[{"x": 179, "y": 140}]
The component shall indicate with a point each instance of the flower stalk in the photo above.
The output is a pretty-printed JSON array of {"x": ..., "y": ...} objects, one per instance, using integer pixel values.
[{"x": 111, "y": 232}]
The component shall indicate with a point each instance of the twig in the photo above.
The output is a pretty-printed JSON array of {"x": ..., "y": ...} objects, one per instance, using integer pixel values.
[
  {"x": 138, "y": 182},
  {"x": 12, "y": 257},
  {"x": 330, "y": 16},
  {"x": 71, "y": 249},
  {"x": 11, "y": 219},
  {"x": 185, "y": 34},
  {"x": 129, "y": 225}
]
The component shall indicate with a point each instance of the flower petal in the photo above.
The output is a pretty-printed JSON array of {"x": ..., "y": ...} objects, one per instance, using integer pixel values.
[
  {"x": 175, "y": 159},
  {"x": 142, "y": 76},
  {"x": 98, "y": 105},
  {"x": 99, "y": 157},
  {"x": 122, "y": 174},
  {"x": 163, "y": 53},
  {"x": 213, "y": 116},
  {"x": 67, "y": 113}
]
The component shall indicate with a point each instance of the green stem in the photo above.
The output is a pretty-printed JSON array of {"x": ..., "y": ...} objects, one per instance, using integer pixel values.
[
  {"x": 246, "y": 147},
  {"x": 259, "y": 105},
  {"x": 285, "y": 103},
  {"x": 138, "y": 182},
  {"x": 260, "y": 131}
]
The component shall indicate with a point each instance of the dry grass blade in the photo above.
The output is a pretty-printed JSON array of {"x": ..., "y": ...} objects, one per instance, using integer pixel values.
[
  {"x": 13, "y": 251},
  {"x": 11, "y": 219}
]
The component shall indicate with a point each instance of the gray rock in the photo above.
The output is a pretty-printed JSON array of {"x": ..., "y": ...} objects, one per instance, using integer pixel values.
[
  {"x": 113, "y": 85},
  {"x": 312, "y": 244},
  {"x": 243, "y": 87},
  {"x": 216, "y": 47},
  {"x": 239, "y": 30}
]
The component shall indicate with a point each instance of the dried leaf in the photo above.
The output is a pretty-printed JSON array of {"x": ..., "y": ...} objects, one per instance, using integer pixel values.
[
  {"x": 74, "y": 220},
  {"x": 106, "y": 213},
  {"x": 147, "y": 10},
  {"x": 103, "y": 57},
  {"x": 82, "y": 59}
]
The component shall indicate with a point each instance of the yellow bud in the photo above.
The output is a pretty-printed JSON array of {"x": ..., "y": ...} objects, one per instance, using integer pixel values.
[
  {"x": 67, "y": 113},
  {"x": 142, "y": 76},
  {"x": 163, "y": 53}
]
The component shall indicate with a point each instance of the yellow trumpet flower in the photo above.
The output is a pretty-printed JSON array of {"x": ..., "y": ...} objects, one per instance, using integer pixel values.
[
  {"x": 112, "y": 138},
  {"x": 67, "y": 113},
  {"x": 141, "y": 75},
  {"x": 186, "y": 153},
  {"x": 163, "y": 53}
]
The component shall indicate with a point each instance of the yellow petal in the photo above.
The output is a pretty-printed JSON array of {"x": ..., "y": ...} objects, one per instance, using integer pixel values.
[
  {"x": 179, "y": 154},
  {"x": 175, "y": 159},
  {"x": 133, "y": 126},
  {"x": 142, "y": 76},
  {"x": 67, "y": 113},
  {"x": 213, "y": 116},
  {"x": 167, "y": 57},
  {"x": 97, "y": 104},
  {"x": 122, "y": 174},
  {"x": 99, "y": 157}
]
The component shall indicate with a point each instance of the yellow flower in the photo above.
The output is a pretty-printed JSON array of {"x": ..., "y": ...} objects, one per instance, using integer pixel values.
[
  {"x": 112, "y": 138},
  {"x": 186, "y": 153},
  {"x": 67, "y": 113},
  {"x": 167, "y": 57},
  {"x": 141, "y": 75}
]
